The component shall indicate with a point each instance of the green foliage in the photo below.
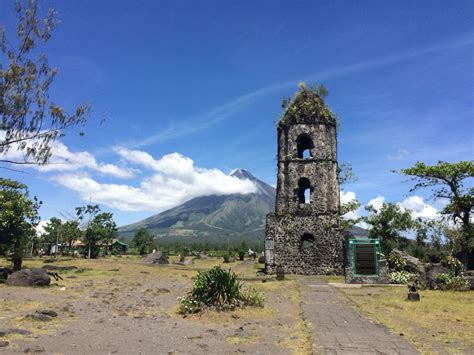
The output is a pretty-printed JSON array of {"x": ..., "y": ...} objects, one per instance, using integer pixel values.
[
  {"x": 402, "y": 277},
  {"x": 387, "y": 223},
  {"x": 396, "y": 262},
  {"x": 252, "y": 297},
  {"x": 241, "y": 255},
  {"x": 227, "y": 257},
  {"x": 144, "y": 241},
  {"x": 308, "y": 102},
  {"x": 18, "y": 218},
  {"x": 64, "y": 233},
  {"x": 218, "y": 288},
  {"x": 452, "y": 282},
  {"x": 447, "y": 181},
  {"x": 99, "y": 227},
  {"x": 351, "y": 206},
  {"x": 29, "y": 119},
  {"x": 453, "y": 264}
]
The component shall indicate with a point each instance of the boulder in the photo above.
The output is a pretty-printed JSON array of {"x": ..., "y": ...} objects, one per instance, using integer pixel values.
[
  {"x": 28, "y": 278},
  {"x": 156, "y": 258},
  {"x": 432, "y": 270},
  {"x": 412, "y": 264}
]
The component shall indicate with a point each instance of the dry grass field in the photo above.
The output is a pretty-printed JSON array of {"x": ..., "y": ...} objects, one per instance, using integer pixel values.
[{"x": 120, "y": 305}]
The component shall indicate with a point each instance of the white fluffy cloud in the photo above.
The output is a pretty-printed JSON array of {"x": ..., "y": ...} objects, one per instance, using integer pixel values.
[
  {"x": 419, "y": 207},
  {"x": 174, "y": 180},
  {"x": 62, "y": 159},
  {"x": 348, "y": 196},
  {"x": 376, "y": 202}
]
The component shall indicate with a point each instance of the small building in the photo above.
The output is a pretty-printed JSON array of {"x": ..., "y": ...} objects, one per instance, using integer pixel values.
[
  {"x": 364, "y": 262},
  {"x": 118, "y": 247}
]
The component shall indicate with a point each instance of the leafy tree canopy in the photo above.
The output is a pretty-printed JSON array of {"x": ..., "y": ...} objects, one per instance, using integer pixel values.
[
  {"x": 29, "y": 120},
  {"x": 144, "y": 241},
  {"x": 448, "y": 181},
  {"x": 18, "y": 218}
]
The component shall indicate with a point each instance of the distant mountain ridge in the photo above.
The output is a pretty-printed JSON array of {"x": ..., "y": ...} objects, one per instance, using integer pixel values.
[{"x": 214, "y": 218}]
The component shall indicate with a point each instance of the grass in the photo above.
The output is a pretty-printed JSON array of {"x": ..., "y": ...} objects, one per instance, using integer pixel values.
[{"x": 441, "y": 321}]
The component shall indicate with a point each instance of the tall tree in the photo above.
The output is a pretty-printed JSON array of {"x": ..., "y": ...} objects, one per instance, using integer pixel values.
[
  {"x": 387, "y": 223},
  {"x": 447, "y": 181},
  {"x": 18, "y": 218},
  {"x": 144, "y": 241},
  {"x": 87, "y": 214},
  {"x": 29, "y": 120}
]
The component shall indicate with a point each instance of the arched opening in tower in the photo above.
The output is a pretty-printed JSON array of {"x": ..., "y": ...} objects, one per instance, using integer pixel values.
[
  {"x": 304, "y": 146},
  {"x": 304, "y": 190},
  {"x": 307, "y": 241}
]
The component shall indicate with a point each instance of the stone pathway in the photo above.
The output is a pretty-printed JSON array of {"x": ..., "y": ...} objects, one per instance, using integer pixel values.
[{"x": 338, "y": 328}]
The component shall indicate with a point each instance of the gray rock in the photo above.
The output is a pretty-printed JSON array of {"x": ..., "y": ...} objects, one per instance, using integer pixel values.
[
  {"x": 4, "y": 343},
  {"x": 471, "y": 280},
  {"x": 34, "y": 349},
  {"x": 28, "y": 278},
  {"x": 432, "y": 270},
  {"x": 39, "y": 317},
  {"x": 412, "y": 264},
  {"x": 8, "y": 331},
  {"x": 47, "y": 312},
  {"x": 156, "y": 258}
]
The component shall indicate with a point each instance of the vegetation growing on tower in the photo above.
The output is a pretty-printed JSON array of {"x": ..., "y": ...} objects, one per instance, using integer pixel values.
[{"x": 308, "y": 104}]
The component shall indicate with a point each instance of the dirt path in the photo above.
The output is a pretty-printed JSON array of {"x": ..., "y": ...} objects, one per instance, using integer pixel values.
[{"x": 338, "y": 328}]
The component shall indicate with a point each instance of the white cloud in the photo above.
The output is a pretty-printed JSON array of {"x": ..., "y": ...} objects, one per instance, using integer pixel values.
[
  {"x": 348, "y": 196},
  {"x": 174, "y": 180},
  {"x": 62, "y": 159},
  {"x": 376, "y": 202},
  {"x": 419, "y": 207}
]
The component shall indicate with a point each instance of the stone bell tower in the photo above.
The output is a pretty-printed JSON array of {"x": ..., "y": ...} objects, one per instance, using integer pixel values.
[{"x": 303, "y": 235}]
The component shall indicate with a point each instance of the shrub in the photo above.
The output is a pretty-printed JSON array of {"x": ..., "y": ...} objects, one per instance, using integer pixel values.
[
  {"x": 227, "y": 258},
  {"x": 241, "y": 255},
  {"x": 252, "y": 297},
  {"x": 261, "y": 260},
  {"x": 218, "y": 288},
  {"x": 453, "y": 264},
  {"x": 396, "y": 262},
  {"x": 452, "y": 282},
  {"x": 402, "y": 277}
]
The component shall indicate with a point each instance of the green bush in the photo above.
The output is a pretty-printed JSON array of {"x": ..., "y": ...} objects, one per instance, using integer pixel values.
[
  {"x": 452, "y": 282},
  {"x": 453, "y": 264},
  {"x": 402, "y": 277},
  {"x": 252, "y": 297},
  {"x": 241, "y": 255},
  {"x": 220, "y": 289},
  {"x": 396, "y": 262}
]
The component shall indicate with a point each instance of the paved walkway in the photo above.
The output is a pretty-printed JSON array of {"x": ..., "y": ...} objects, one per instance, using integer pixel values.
[{"x": 338, "y": 328}]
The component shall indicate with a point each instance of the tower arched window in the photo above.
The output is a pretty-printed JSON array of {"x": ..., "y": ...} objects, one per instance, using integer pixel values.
[
  {"x": 304, "y": 145},
  {"x": 304, "y": 190},
  {"x": 307, "y": 241}
]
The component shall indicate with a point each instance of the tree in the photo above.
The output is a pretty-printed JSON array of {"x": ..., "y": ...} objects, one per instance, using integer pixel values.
[
  {"x": 105, "y": 228},
  {"x": 387, "y": 223},
  {"x": 18, "y": 218},
  {"x": 344, "y": 176},
  {"x": 60, "y": 232},
  {"x": 144, "y": 241},
  {"x": 30, "y": 121},
  {"x": 447, "y": 181},
  {"x": 90, "y": 234}
]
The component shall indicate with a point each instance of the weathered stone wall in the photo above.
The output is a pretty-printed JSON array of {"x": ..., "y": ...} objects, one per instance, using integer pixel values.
[{"x": 284, "y": 245}]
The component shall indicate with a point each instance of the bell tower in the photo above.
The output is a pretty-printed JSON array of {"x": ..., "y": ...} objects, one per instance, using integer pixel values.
[{"x": 303, "y": 235}]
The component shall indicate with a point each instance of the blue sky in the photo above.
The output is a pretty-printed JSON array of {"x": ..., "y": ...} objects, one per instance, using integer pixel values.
[{"x": 205, "y": 79}]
